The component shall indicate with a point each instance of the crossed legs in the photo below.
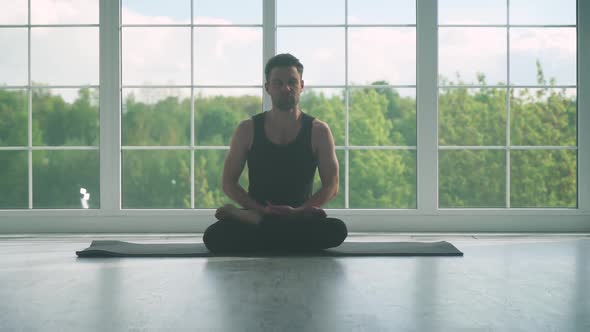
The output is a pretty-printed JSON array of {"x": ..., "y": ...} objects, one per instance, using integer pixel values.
[{"x": 247, "y": 231}]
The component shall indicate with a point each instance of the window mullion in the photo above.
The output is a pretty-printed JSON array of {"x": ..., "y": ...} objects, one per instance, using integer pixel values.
[
  {"x": 109, "y": 94},
  {"x": 583, "y": 96},
  {"x": 269, "y": 41},
  {"x": 427, "y": 125}
]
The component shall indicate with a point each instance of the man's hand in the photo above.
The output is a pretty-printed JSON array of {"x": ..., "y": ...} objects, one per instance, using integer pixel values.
[{"x": 286, "y": 210}]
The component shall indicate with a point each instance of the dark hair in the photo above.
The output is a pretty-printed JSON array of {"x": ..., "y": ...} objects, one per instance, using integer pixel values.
[{"x": 282, "y": 60}]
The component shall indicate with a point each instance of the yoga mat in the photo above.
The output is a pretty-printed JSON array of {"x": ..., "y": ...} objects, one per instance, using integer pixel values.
[{"x": 108, "y": 248}]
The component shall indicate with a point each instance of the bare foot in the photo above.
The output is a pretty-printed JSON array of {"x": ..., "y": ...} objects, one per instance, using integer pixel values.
[
  {"x": 314, "y": 212},
  {"x": 229, "y": 212}
]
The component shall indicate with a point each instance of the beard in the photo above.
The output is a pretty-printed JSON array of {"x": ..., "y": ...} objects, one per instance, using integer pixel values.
[{"x": 285, "y": 103}]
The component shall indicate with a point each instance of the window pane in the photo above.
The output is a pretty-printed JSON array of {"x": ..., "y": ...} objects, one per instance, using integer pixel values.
[
  {"x": 472, "y": 56},
  {"x": 543, "y": 178},
  {"x": 543, "y": 117},
  {"x": 64, "y": 56},
  {"x": 383, "y": 179},
  {"x": 165, "y": 60},
  {"x": 472, "y": 12},
  {"x": 14, "y": 12},
  {"x": 326, "y": 105},
  {"x": 156, "y": 179},
  {"x": 472, "y": 116},
  {"x": 14, "y": 55},
  {"x": 301, "y": 12},
  {"x": 219, "y": 111},
  {"x": 382, "y": 116},
  {"x": 374, "y": 55},
  {"x": 64, "y": 11},
  {"x": 59, "y": 176},
  {"x": 215, "y": 56},
  {"x": 156, "y": 12},
  {"x": 13, "y": 117},
  {"x": 208, "y": 186},
  {"x": 14, "y": 180},
  {"x": 543, "y": 56},
  {"x": 156, "y": 116},
  {"x": 321, "y": 50},
  {"x": 381, "y": 12},
  {"x": 228, "y": 11},
  {"x": 338, "y": 201},
  {"x": 543, "y": 12},
  {"x": 472, "y": 178},
  {"x": 65, "y": 117}
]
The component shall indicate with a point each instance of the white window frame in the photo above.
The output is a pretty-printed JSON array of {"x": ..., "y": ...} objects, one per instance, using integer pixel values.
[{"x": 426, "y": 218}]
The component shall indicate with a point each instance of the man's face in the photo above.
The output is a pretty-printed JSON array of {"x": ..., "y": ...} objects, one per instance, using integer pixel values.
[{"x": 284, "y": 87}]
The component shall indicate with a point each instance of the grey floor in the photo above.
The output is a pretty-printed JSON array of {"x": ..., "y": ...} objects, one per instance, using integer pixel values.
[{"x": 503, "y": 283}]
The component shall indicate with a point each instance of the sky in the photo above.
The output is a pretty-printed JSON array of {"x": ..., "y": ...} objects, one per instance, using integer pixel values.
[{"x": 69, "y": 56}]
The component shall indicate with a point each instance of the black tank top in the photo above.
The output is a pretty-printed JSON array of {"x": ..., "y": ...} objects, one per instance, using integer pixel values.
[{"x": 281, "y": 174}]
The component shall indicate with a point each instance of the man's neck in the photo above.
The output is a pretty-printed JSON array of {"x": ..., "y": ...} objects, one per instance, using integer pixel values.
[{"x": 283, "y": 117}]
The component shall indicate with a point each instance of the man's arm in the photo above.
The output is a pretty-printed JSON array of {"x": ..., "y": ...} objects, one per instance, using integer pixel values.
[
  {"x": 327, "y": 165},
  {"x": 234, "y": 165}
]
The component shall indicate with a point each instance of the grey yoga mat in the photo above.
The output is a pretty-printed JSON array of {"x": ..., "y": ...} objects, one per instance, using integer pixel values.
[{"x": 108, "y": 248}]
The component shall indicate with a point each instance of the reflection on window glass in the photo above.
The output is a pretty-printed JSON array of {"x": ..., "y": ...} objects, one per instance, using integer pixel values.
[{"x": 59, "y": 176}]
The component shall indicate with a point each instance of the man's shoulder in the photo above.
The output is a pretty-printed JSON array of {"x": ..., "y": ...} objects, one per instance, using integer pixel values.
[{"x": 319, "y": 126}]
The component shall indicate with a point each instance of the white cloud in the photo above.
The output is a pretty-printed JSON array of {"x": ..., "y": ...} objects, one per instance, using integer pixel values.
[
  {"x": 64, "y": 11},
  {"x": 233, "y": 56},
  {"x": 382, "y": 54}
]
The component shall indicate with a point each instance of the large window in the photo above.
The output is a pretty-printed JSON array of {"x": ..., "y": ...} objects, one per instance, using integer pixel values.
[
  {"x": 361, "y": 79},
  {"x": 507, "y": 104},
  {"x": 49, "y": 118},
  {"x": 437, "y": 107},
  {"x": 191, "y": 71}
]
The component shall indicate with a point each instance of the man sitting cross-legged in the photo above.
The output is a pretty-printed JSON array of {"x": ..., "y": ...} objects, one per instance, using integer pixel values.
[{"x": 283, "y": 147}]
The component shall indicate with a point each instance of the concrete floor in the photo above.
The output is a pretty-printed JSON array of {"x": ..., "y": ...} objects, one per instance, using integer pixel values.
[{"x": 503, "y": 283}]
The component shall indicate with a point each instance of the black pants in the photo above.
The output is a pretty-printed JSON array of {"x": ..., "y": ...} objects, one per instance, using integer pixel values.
[{"x": 275, "y": 234}]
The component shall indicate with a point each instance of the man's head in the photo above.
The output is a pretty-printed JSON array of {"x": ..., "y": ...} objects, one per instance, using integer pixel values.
[{"x": 283, "y": 81}]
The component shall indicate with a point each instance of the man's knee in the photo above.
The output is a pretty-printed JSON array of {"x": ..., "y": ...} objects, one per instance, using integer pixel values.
[
  {"x": 212, "y": 237},
  {"x": 338, "y": 230}
]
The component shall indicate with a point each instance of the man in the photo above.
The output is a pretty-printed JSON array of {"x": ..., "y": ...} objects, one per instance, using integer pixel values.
[{"x": 283, "y": 147}]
